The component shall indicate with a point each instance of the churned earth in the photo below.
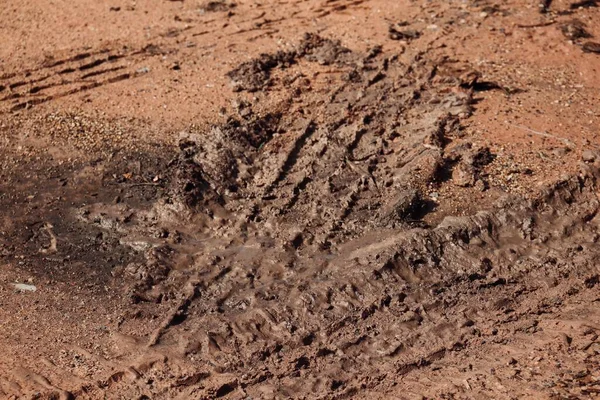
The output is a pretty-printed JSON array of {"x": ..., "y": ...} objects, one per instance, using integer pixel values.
[{"x": 312, "y": 199}]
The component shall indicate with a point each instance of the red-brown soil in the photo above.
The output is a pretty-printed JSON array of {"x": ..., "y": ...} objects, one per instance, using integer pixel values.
[{"x": 299, "y": 199}]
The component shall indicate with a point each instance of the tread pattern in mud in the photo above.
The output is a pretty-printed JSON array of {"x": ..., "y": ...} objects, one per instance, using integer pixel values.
[
  {"x": 297, "y": 264},
  {"x": 316, "y": 277},
  {"x": 65, "y": 77},
  {"x": 82, "y": 70}
]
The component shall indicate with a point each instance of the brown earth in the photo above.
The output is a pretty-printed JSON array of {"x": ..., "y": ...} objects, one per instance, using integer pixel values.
[{"x": 300, "y": 199}]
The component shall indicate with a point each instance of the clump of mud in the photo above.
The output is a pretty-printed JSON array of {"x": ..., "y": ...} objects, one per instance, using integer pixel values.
[{"x": 255, "y": 75}]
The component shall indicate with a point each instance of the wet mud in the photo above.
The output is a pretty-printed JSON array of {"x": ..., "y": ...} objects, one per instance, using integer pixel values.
[{"x": 299, "y": 249}]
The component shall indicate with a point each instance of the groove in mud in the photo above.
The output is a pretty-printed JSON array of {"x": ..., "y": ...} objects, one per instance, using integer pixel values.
[{"x": 82, "y": 88}]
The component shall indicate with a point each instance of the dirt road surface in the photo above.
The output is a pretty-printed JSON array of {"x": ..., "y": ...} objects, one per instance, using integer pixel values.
[{"x": 309, "y": 199}]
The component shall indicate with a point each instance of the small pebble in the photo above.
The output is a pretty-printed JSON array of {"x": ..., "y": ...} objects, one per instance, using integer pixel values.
[{"x": 24, "y": 287}]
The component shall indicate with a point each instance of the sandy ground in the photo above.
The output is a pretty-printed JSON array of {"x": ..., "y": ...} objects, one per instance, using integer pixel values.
[{"x": 299, "y": 199}]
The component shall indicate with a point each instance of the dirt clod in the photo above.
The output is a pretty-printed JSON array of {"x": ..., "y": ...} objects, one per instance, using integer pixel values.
[
  {"x": 589, "y": 155},
  {"x": 395, "y": 33},
  {"x": 254, "y": 75}
]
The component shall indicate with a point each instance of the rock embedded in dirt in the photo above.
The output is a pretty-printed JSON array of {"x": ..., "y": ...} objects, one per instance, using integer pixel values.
[{"x": 561, "y": 151}]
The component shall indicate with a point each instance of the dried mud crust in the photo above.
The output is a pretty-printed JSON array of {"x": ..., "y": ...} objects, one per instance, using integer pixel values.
[{"x": 297, "y": 251}]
